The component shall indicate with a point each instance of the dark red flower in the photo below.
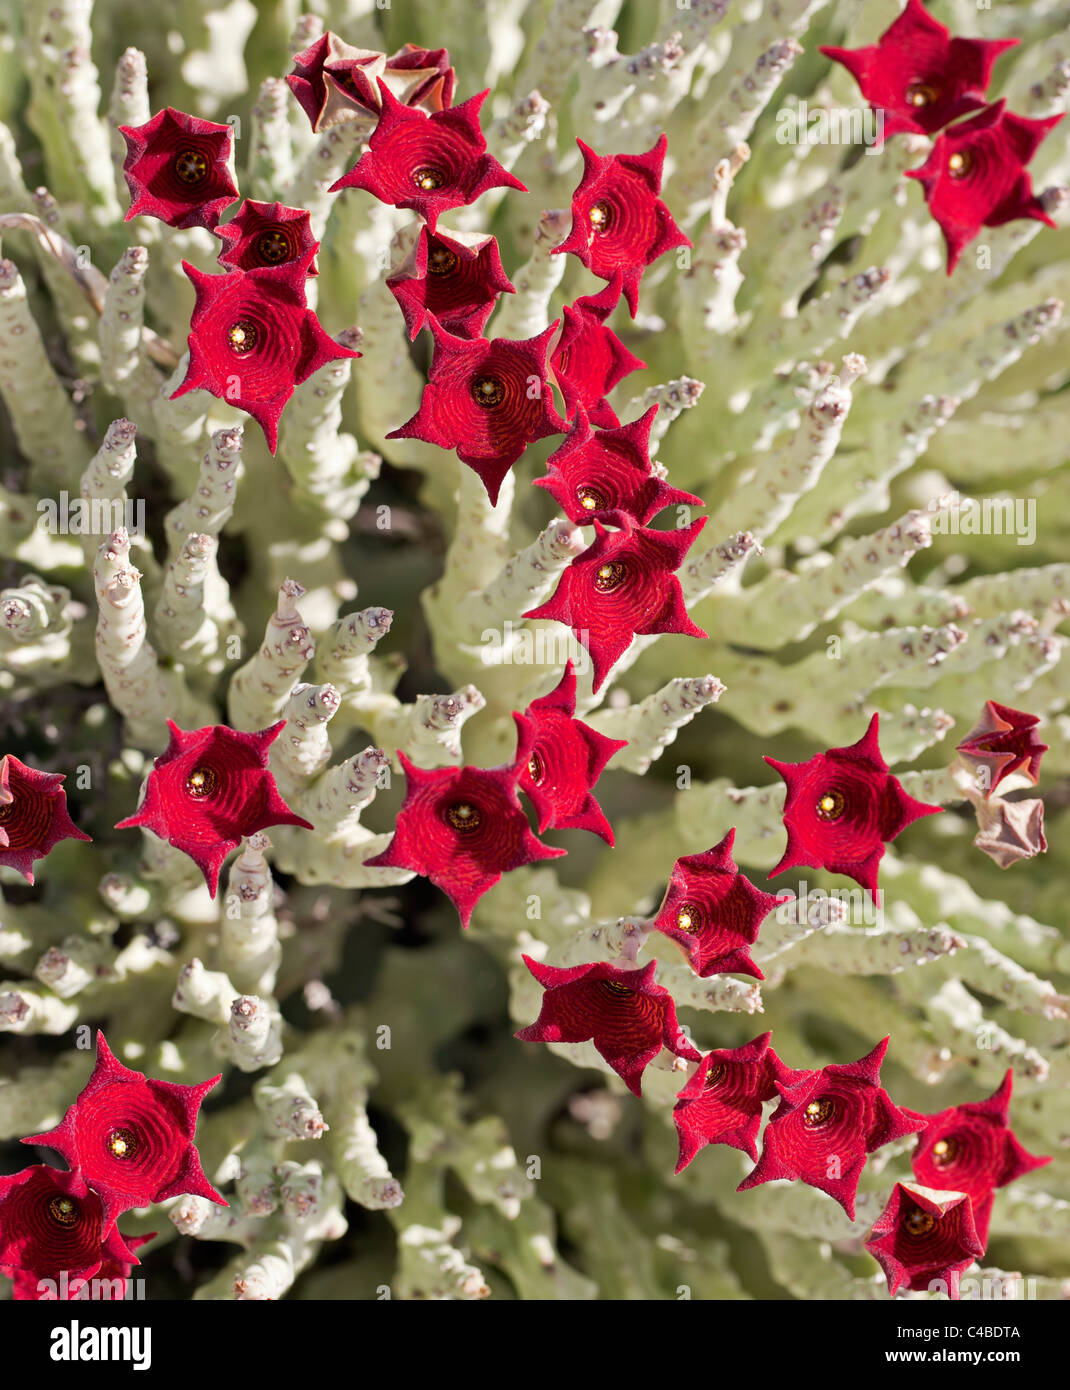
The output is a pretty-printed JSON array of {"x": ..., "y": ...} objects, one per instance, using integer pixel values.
[
  {"x": 179, "y": 168},
  {"x": 842, "y": 806},
  {"x": 131, "y": 1139},
  {"x": 975, "y": 175},
  {"x": 618, "y": 221},
  {"x": 107, "y": 1284},
  {"x": 825, "y": 1125},
  {"x": 565, "y": 760},
  {"x": 333, "y": 81},
  {"x": 33, "y": 815},
  {"x": 1003, "y": 741},
  {"x": 971, "y": 1148},
  {"x": 457, "y": 281},
  {"x": 589, "y": 359},
  {"x": 918, "y": 75},
  {"x": 267, "y": 234},
  {"x": 624, "y": 1013},
  {"x": 427, "y": 164},
  {"x": 722, "y": 1103},
  {"x": 208, "y": 790},
  {"x": 920, "y": 1241},
  {"x": 462, "y": 827},
  {"x": 622, "y": 586},
  {"x": 51, "y": 1222},
  {"x": 487, "y": 400},
  {"x": 713, "y": 912},
  {"x": 595, "y": 473},
  {"x": 253, "y": 339}
]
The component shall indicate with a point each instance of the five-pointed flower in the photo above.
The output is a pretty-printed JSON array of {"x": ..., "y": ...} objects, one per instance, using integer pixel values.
[
  {"x": 51, "y": 1222},
  {"x": 487, "y": 399},
  {"x": 918, "y": 75},
  {"x": 976, "y": 177},
  {"x": 1010, "y": 831},
  {"x": 825, "y": 1125},
  {"x": 179, "y": 168},
  {"x": 627, "y": 1016},
  {"x": 1002, "y": 742},
  {"x": 971, "y": 1148},
  {"x": 842, "y": 806},
  {"x": 565, "y": 760},
  {"x": 463, "y": 827},
  {"x": 209, "y": 789},
  {"x": 713, "y": 912},
  {"x": 722, "y": 1103},
  {"x": 594, "y": 473},
  {"x": 253, "y": 338},
  {"x": 619, "y": 224},
  {"x": 622, "y": 586},
  {"x": 333, "y": 81},
  {"x": 131, "y": 1139},
  {"x": 109, "y": 1281},
  {"x": 589, "y": 359},
  {"x": 457, "y": 278},
  {"x": 427, "y": 163},
  {"x": 267, "y": 234},
  {"x": 33, "y": 815},
  {"x": 925, "y": 1242}
]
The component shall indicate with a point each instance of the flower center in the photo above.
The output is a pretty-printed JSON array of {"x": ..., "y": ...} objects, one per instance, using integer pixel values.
[
  {"x": 202, "y": 781},
  {"x": 688, "y": 918},
  {"x": 819, "y": 1111},
  {"x": 714, "y": 1076},
  {"x": 463, "y": 816},
  {"x": 273, "y": 246},
  {"x": 959, "y": 164},
  {"x": 121, "y": 1143},
  {"x": 591, "y": 500},
  {"x": 7, "y": 810},
  {"x": 242, "y": 336},
  {"x": 601, "y": 218},
  {"x": 488, "y": 392},
  {"x": 830, "y": 805},
  {"x": 63, "y": 1210},
  {"x": 427, "y": 180},
  {"x": 615, "y": 987},
  {"x": 945, "y": 1151},
  {"x": 918, "y": 1223},
  {"x": 441, "y": 262},
  {"x": 535, "y": 768},
  {"x": 191, "y": 166},
  {"x": 921, "y": 94},
  {"x": 609, "y": 576}
]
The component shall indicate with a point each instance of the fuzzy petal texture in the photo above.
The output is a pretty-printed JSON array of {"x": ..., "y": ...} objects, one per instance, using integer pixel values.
[
  {"x": 622, "y": 586},
  {"x": 263, "y": 235},
  {"x": 619, "y": 224},
  {"x": 722, "y": 1103},
  {"x": 50, "y": 1221},
  {"x": 210, "y": 789},
  {"x": 333, "y": 81},
  {"x": 33, "y": 815},
  {"x": 627, "y": 1016},
  {"x": 713, "y": 912},
  {"x": 825, "y": 1125},
  {"x": 457, "y": 282},
  {"x": 842, "y": 807},
  {"x": 1002, "y": 742},
  {"x": 920, "y": 1241},
  {"x": 107, "y": 1284},
  {"x": 589, "y": 359},
  {"x": 180, "y": 169},
  {"x": 976, "y": 177}
]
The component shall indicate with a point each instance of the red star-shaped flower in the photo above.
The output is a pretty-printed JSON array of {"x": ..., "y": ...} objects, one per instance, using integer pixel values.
[
  {"x": 455, "y": 278},
  {"x": 1002, "y": 742},
  {"x": 590, "y": 359},
  {"x": 427, "y": 164},
  {"x": 618, "y": 221},
  {"x": 208, "y": 790},
  {"x": 267, "y": 234},
  {"x": 825, "y": 1125},
  {"x": 109, "y": 1281},
  {"x": 622, "y": 586},
  {"x": 253, "y": 338},
  {"x": 565, "y": 760},
  {"x": 971, "y": 1148},
  {"x": 975, "y": 175},
  {"x": 624, "y": 1013},
  {"x": 179, "y": 168},
  {"x": 131, "y": 1139},
  {"x": 842, "y": 807},
  {"x": 50, "y": 1222},
  {"x": 722, "y": 1103},
  {"x": 487, "y": 400},
  {"x": 463, "y": 827},
  {"x": 918, "y": 75},
  {"x": 921, "y": 1242},
  {"x": 595, "y": 473},
  {"x": 33, "y": 815},
  {"x": 713, "y": 912},
  {"x": 333, "y": 81}
]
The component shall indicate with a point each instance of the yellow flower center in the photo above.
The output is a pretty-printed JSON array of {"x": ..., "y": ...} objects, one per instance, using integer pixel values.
[
  {"x": 63, "y": 1210},
  {"x": 959, "y": 164},
  {"x": 615, "y": 987},
  {"x": 921, "y": 94},
  {"x": 945, "y": 1151},
  {"x": 535, "y": 768},
  {"x": 609, "y": 577},
  {"x": 191, "y": 166},
  {"x": 488, "y": 392},
  {"x": 273, "y": 246},
  {"x": 121, "y": 1143},
  {"x": 818, "y": 1111},
  {"x": 242, "y": 336},
  {"x": 591, "y": 500},
  {"x": 202, "y": 781},
  {"x": 600, "y": 217},
  {"x": 830, "y": 805},
  {"x": 7, "y": 809},
  {"x": 688, "y": 918},
  {"x": 715, "y": 1076},
  {"x": 917, "y": 1222},
  {"x": 427, "y": 180},
  {"x": 441, "y": 262},
  {"x": 463, "y": 816}
]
